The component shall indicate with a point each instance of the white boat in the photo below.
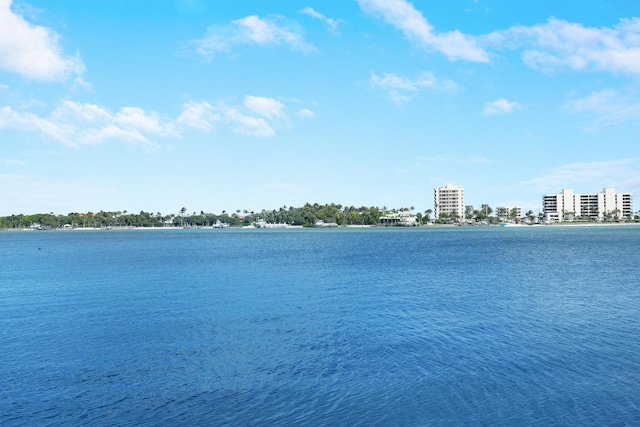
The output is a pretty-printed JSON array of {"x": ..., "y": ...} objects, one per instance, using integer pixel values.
[
  {"x": 322, "y": 224},
  {"x": 261, "y": 223}
]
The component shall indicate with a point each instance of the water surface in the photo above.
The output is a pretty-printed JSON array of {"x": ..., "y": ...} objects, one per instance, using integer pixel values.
[{"x": 429, "y": 326}]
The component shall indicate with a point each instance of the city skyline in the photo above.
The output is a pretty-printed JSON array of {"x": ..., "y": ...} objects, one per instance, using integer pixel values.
[{"x": 212, "y": 106}]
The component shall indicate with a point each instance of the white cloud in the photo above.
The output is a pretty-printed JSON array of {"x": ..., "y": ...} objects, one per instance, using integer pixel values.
[
  {"x": 11, "y": 119},
  {"x": 73, "y": 124},
  {"x": 403, "y": 16},
  {"x": 499, "y": 106},
  {"x": 559, "y": 44},
  {"x": 256, "y": 116},
  {"x": 248, "y": 125},
  {"x": 589, "y": 176},
  {"x": 113, "y": 132},
  {"x": 130, "y": 122},
  {"x": 33, "y": 51},
  {"x": 198, "y": 115},
  {"x": 252, "y": 30},
  {"x": 479, "y": 6},
  {"x": 211, "y": 44},
  {"x": 331, "y": 23},
  {"x": 393, "y": 81},
  {"x": 267, "y": 107},
  {"x": 547, "y": 47},
  {"x": 598, "y": 102},
  {"x": 401, "y": 89},
  {"x": 608, "y": 107},
  {"x": 305, "y": 114},
  {"x": 148, "y": 122},
  {"x": 69, "y": 110}
]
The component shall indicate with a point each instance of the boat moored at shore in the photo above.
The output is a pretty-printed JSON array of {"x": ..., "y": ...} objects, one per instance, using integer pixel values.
[
  {"x": 263, "y": 224},
  {"x": 322, "y": 224}
]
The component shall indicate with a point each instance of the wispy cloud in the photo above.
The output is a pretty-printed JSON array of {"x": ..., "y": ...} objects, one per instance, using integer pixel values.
[
  {"x": 589, "y": 176},
  {"x": 548, "y": 47},
  {"x": 198, "y": 115},
  {"x": 305, "y": 114},
  {"x": 558, "y": 44},
  {"x": 479, "y": 6},
  {"x": 500, "y": 106},
  {"x": 406, "y": 18},
  {"x": 266, "y": 107},
  {"x": 402, "y": 89},
  {"x": 33, "y": 51},
  {"x": 256, "y": 116},
  {"x": 608, "y": 107},
  {"x": 248, "y": 125},
  {"x": 331, "y": 23},
  {"x": 12, "y": 162},
  {"x": 252, "y": 30},
  {"x": 73, "y": 124}
]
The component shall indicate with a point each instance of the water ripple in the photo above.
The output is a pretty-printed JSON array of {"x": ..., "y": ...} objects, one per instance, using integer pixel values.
[{"x": 321, "y": 327}]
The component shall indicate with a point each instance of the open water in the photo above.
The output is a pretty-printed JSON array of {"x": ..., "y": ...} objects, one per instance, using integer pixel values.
[{"x": 407, "y": 327}]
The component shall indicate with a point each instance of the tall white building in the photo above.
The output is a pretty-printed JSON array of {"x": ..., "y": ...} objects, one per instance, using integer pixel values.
[
  {"x": 567, "y": 205},
  {"x": 449, "y": 200}
]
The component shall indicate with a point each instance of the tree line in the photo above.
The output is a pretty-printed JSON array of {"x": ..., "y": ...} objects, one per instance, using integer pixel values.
[{"x": 306, "y": 215}]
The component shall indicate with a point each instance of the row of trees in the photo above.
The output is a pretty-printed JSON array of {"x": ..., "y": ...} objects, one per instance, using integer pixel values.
[
  {"x": 306, "y": 215},
  {"x": 594, "y": 215}
]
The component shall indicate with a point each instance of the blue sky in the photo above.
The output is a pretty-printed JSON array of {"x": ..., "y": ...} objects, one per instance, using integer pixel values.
[{"x": 217, "y": 105}]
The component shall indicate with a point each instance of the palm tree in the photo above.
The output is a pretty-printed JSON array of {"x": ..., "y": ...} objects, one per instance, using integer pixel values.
[{"x": 615, "y": 213}]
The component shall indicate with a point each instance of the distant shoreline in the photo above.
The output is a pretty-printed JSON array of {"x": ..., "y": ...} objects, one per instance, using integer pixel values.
[
  {"x": 591, "y": 224},
  {"x": 299, "y": 227}
]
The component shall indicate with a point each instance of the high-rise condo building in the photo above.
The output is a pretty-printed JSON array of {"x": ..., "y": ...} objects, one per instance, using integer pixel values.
[
  {"x": 567, "y": 205},
  {"x": 448, "y": 200}
]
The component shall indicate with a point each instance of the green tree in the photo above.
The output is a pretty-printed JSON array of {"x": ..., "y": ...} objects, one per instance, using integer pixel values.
[
  {"x": 468, "y": 212},
  {"x": 530, "y": 215},
  {"x": 514, "y": 214}
]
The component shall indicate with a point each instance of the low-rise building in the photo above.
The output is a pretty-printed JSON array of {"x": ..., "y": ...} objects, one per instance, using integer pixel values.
[
  {"x": 404, "y": 219},
  {"x": 509, "y": 213}
]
